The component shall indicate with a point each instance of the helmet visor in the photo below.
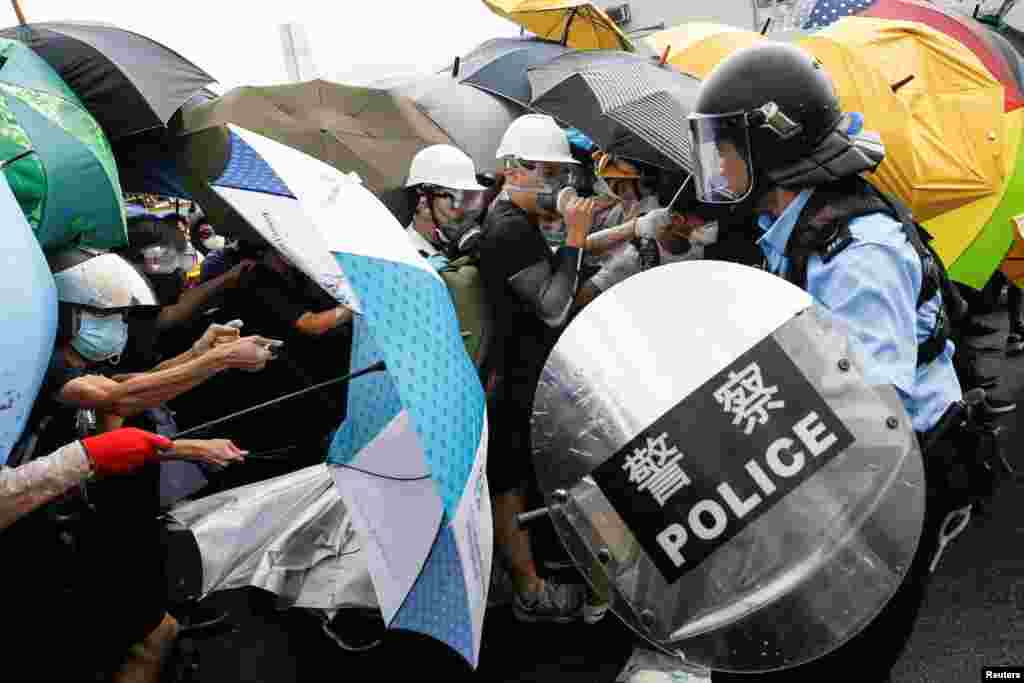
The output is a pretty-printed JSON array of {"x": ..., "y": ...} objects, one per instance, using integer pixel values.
[{"x": 724, "y": 172}]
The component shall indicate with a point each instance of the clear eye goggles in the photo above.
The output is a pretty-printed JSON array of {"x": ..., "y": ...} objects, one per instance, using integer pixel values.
[
  {"x": 546, "y": 169},
  {"x": 458, "y": 198}
]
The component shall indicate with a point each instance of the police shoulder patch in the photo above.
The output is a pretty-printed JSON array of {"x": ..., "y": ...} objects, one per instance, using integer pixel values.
[{"x": 839, "y": 239}]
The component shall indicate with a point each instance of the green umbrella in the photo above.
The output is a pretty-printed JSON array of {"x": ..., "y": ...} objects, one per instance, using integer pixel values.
[{"x": 55, "y": 156}]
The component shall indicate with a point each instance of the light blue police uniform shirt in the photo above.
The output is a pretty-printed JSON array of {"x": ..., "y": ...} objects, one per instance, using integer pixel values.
[{"x": 872, "y": 287}]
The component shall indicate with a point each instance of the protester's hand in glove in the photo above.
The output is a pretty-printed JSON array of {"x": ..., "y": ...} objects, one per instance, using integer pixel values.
[
  {"x": 623, "y": 263},
  {"x": 249, "y": 353},
  {"x": 648, "y": 224},
  {"x": 217, "y": 334},
  {"x": 215, "y": 452},
  {"x": 124, "y": 450}
]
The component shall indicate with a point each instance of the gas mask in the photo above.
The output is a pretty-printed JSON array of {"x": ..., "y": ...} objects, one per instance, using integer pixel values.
[
  {"x": 550, "y": 189},
  {"x": 456, "y": 236},
  {"x": 461, "y": 237}
]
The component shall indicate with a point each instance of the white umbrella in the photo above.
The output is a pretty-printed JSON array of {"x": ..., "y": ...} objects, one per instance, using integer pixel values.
[{"x": 409, "y": 461}]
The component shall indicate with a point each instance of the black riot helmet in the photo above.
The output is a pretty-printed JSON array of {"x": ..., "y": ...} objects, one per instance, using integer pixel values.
[{"x": 768, "y": 115}]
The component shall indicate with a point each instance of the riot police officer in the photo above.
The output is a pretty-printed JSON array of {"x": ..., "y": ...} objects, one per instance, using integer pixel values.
[{"x": 771, "y": 141}]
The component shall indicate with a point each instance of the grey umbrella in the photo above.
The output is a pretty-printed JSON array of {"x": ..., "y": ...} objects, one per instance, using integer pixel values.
[
  {"x": 128, "y": 82},
  {"x": 499, "y": 65},
  {"x": 473, "y": 119},
  {"x": 629, "y": 105}
]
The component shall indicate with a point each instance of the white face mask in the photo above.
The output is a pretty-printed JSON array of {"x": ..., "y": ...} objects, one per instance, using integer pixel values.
[
  {"x": 214, "y": 243},
  {"x": 101, "y": 338}
]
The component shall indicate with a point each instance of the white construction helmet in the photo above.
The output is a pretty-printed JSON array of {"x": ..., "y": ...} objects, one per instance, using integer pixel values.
[
  {"x": 535, "y": 137},
  {"x": 444, "y": 166},
  {"x": 102, "y": 281}
]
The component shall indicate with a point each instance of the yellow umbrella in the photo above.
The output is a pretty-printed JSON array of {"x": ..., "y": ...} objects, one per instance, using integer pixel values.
[
  {"x": 943, "y": 130},
  {"x": 579, "y": 25},
  {"x": 697, "y": 47},
  {"x": 955, "y": 183},
  {"x": 956, "y": 231}
]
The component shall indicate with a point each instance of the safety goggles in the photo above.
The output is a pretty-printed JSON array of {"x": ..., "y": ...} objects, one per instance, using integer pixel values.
[{"x": 458, "y": 198}]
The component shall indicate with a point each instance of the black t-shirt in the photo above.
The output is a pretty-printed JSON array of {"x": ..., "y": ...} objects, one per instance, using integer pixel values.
[
  {"x": 60, "y": 428},
  {"x": 510, "y": 244},
  {"x": 269, "y": 303},
  {"x": 89, "y": 577}
]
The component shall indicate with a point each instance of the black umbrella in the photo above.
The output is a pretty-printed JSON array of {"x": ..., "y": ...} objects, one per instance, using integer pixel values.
[
  {"x": 474, "y": 120},
  {"x": 128, "y": 82},
  {"x": 499, "y": 65},
  {"x": 629, "y": 105}
]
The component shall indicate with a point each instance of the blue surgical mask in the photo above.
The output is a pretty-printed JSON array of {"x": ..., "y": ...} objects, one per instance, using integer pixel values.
[{"x": 101, "y": 338}]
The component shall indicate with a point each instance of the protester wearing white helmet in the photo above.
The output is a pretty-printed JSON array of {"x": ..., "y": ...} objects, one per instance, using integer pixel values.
[
  {"x": 448, "y": 201},
  {"x": 532, "y": 291},
  {"x": 115, "y": 523}
]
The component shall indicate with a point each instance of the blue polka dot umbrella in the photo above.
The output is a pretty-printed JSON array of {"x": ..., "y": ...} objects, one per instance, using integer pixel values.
[{"x": 409, "y": 459}]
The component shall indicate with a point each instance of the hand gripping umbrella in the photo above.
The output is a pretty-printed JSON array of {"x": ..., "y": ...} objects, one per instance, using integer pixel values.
[{"x": 749, "y": 500}]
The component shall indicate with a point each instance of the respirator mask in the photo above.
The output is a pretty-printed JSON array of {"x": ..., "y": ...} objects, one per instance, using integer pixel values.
[{"x": 456, "y": 236}]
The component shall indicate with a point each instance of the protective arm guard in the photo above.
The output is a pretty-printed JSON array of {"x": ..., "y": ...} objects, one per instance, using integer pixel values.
[
  {"x": 25, "y": 488},
  {"x": 550, "y": 287}
]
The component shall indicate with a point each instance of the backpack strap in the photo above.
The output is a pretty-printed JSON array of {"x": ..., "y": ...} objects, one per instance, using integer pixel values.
[{"x": 823, "y": 228}]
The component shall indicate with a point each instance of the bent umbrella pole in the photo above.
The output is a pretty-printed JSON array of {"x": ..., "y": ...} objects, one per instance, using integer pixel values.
[{"x": 376, "y": 367}]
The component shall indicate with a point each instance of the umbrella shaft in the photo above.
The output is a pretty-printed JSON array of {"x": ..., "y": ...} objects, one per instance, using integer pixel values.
[
  {"x": 376, "y": 367},
  {"x": 17, "y": 10}
]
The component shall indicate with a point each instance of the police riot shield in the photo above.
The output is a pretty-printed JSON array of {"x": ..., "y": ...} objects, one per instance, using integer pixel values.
[{"x": 715, "y": 462}]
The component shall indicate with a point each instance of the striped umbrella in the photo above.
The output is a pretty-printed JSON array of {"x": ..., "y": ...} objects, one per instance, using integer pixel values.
[{"x": 632, "y": 107}]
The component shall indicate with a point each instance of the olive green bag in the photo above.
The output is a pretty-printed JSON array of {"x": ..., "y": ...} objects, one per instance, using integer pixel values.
[{"x": 469, "y": 296}]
